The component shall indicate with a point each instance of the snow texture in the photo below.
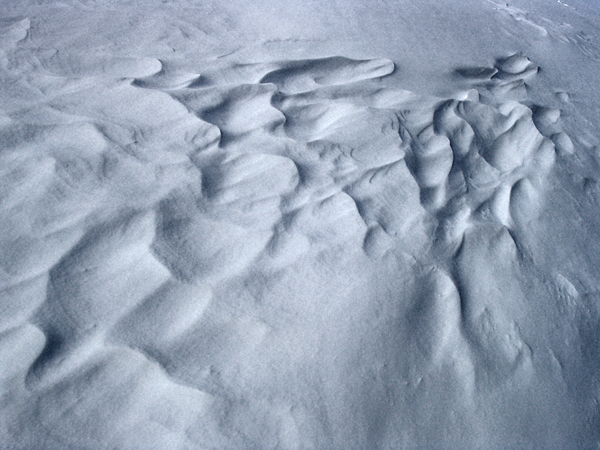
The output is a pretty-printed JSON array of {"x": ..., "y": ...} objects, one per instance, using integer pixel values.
[{"x": 299, "y": 225}]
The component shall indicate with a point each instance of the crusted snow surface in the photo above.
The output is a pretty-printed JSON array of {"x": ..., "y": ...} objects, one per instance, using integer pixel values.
[{"x": 299, "y": 225}]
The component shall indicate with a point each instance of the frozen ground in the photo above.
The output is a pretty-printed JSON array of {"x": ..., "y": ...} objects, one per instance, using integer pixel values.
[{"x": 299, "y": 224}]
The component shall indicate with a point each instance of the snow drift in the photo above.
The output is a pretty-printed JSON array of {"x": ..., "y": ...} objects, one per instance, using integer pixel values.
[{"x": 221, "y": 229}]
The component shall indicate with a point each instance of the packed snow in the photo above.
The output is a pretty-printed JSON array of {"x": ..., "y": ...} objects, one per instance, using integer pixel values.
[{"x": 335, "y": 224}]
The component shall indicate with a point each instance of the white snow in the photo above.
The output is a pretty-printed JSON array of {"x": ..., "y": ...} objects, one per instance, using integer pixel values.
[{"x": 306, "y": 224}]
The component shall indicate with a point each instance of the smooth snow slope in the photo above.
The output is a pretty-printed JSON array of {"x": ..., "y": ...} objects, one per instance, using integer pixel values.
[{"x": 299, "y": 225}]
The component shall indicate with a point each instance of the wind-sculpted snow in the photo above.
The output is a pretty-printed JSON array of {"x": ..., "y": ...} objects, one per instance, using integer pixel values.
[{"x": 287, "y": 254}]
